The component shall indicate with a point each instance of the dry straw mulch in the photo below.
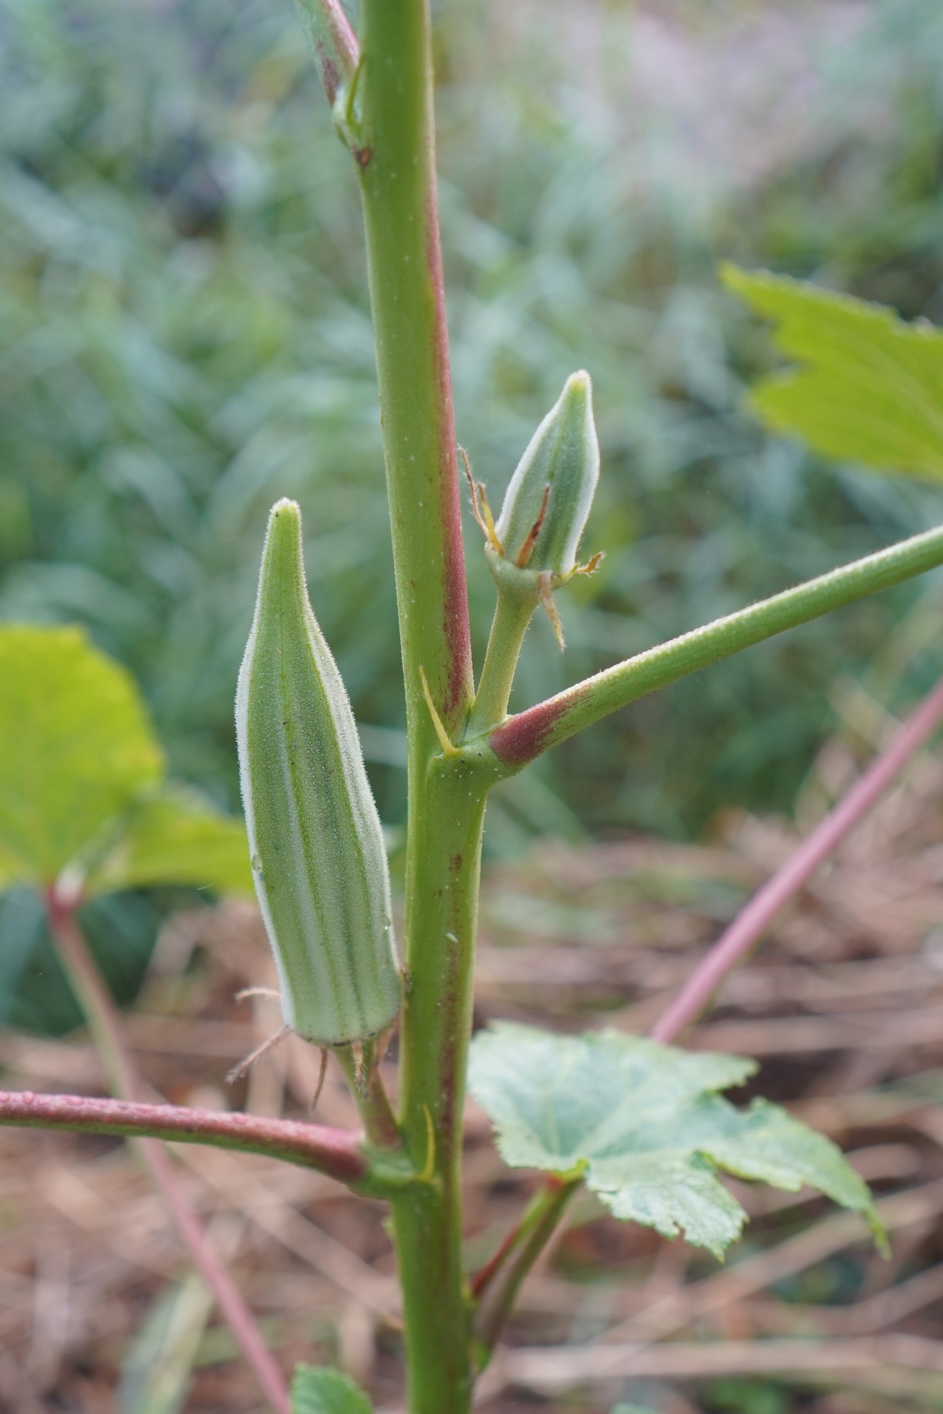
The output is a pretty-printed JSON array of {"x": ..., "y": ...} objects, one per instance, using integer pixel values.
[{"x": 843, "y": 1005}]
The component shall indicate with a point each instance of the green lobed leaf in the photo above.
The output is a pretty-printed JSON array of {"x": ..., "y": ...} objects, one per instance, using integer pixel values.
[
  {"x": 869, "y": 387},
  {"x": 176, "y": 836},
  {"x": 75, "y": 748},
  {"x": 645, "y": 1124},
  {"x": 321, "y": 1391},
  {"x": 82, "y": 779}
]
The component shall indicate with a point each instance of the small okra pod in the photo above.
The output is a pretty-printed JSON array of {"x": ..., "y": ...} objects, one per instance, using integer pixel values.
[
  {"x": 550, "y": 494},
  {"x": 532, "y": 549},
  {"x": 318, "y": 857}
]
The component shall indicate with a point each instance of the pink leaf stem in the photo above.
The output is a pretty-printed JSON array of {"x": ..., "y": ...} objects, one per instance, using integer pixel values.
[
  {"x": 750, "y": 925},
  {"x": 335, "y": 1152}
]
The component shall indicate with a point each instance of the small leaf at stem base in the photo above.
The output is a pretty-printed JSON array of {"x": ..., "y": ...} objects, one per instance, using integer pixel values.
[{"x": 320, "y": 1391}]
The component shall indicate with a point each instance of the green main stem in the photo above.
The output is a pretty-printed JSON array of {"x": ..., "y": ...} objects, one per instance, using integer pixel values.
[
  {"x": 395, "y": 142},
  {"x": 388, "y": 126}
]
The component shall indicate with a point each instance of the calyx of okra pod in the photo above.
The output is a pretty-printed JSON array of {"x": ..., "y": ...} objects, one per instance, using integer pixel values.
[
  {"x": 318, "y": 858},
  {"x": 550, "y": 494}
]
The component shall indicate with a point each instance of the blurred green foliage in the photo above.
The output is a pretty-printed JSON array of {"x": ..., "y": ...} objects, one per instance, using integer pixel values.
[
  {"x": 861, "y": 383},
  {"x": 84, "y": 807},
  {"x": 121, "y": 930},
  {"x": 184, "y": 337},
  {"x": 733, "y": 1396}
]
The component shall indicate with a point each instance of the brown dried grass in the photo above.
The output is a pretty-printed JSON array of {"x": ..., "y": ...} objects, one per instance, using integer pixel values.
[{"x": 843, "y": 1005}]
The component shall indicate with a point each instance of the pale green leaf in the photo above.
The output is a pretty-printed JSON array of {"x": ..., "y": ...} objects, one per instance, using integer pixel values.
[
  {"x": 320, "y": 1391},
  {"x": 868, "y": 386},
  {"x": 75, "y": 748},
  {"x": 12, "y": 869},
  {"x": 644, "y": 1124},
  {"x": 175, "y": 836}
]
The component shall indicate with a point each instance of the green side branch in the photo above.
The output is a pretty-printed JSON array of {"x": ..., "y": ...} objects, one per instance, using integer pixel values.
[
  {"x": 513, "y": 613},
  {"x": 523, "y": 737},
  {"x": 497, "y": 1293}
]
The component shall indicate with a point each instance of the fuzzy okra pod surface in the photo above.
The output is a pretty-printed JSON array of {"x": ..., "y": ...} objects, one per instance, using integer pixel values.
[{"x": 318, "y": 856}]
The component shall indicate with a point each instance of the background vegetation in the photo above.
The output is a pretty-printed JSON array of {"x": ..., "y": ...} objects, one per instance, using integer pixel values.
[{"x": 185, "y": 336}]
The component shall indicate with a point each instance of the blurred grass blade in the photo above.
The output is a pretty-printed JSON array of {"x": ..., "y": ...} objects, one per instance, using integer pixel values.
[{"x": 158, "y": 1366}]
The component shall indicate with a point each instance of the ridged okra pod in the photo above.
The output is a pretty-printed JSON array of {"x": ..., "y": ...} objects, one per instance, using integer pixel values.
[
  {"x": 532, "y": 549},
  {"x": 550, "y": 495},
  {"x": 316, "y": 843}
]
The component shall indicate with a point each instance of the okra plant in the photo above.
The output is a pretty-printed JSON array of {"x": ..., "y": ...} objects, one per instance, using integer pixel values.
[{"x": 642, "y": 1124}]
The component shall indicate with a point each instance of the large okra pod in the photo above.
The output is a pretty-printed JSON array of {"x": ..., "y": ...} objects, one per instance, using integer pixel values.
[{"x": 318, "y": 857}]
